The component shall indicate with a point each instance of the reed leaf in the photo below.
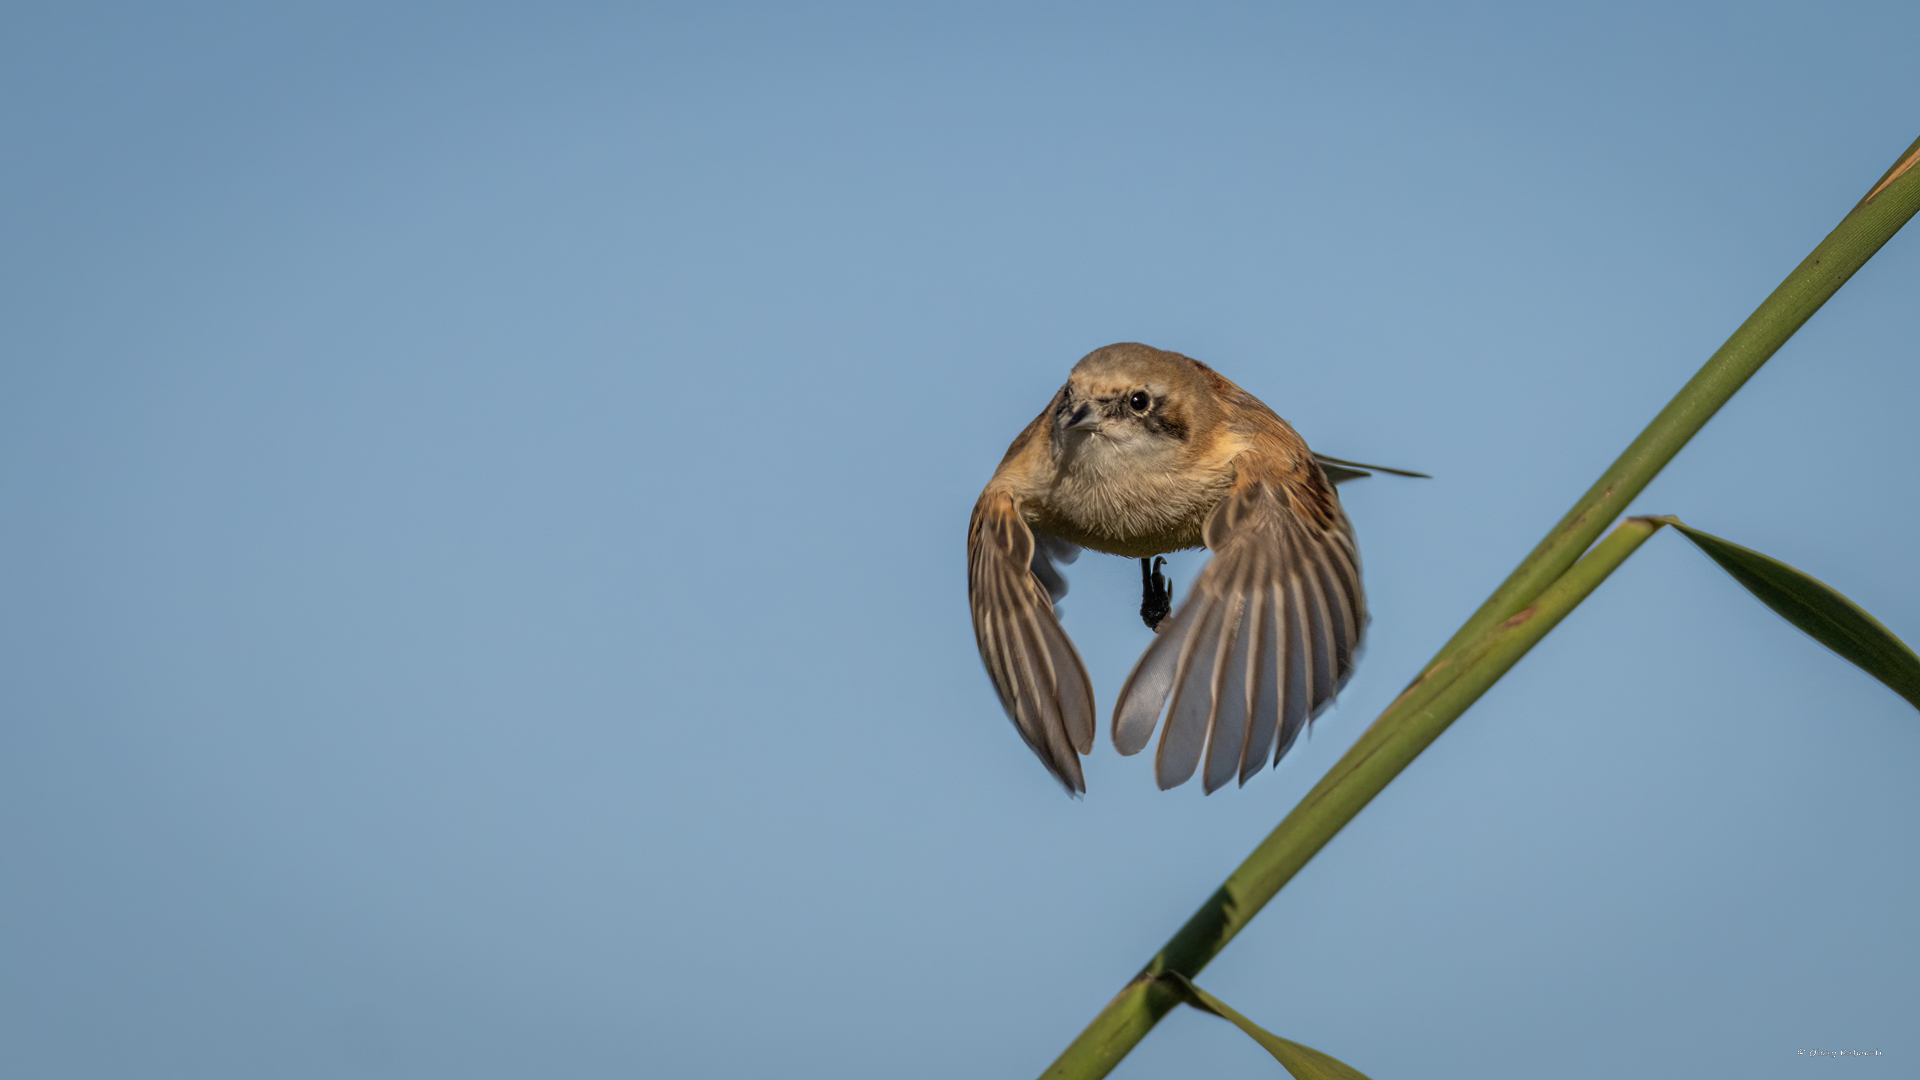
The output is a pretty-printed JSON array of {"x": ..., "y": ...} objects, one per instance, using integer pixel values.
[
  {"x": 1304, "y": 1062},
  {"x": 1826, "y": 615}
]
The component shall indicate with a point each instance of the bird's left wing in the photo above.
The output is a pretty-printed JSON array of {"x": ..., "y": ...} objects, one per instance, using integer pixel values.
[
  {"x": 1265, "y": 639},
  {"x": 1011, "y": 586}
]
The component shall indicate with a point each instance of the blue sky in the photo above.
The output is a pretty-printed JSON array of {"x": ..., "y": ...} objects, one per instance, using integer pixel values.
[{"x": 482, "y": 576}]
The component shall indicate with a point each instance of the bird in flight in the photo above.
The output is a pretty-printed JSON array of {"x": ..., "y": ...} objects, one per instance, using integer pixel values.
[{"x": 1143, "y": 452}]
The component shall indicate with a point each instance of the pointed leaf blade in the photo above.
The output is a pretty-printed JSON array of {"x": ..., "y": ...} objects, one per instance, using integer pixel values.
[
  {"x": 1304, "y": 1062},
  {"x": 1817, "y": 608}
]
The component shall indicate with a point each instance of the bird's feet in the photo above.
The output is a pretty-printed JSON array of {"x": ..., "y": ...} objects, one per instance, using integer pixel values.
[{"x": 1156, "y": 592}]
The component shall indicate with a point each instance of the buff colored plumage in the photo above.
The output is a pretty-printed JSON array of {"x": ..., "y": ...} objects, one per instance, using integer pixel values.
[{"x": 1143, "y": 452}]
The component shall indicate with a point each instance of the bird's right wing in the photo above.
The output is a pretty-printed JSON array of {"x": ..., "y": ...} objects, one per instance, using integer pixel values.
[{"x": 1011, "y": 586}]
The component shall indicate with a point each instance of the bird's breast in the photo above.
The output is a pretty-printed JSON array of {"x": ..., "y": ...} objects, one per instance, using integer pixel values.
[{"x": 1131, "y": 512}]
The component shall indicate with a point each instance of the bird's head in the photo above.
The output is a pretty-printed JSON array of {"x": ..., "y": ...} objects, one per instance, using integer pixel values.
[{"x": 1134, "y": 403}]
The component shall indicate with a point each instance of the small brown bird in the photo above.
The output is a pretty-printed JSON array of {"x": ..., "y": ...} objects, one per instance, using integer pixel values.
[{"x": 1143, "y": 452}]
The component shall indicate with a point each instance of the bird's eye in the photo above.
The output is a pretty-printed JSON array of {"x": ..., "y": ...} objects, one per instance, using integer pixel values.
[{"x": 1140, "y": 401}]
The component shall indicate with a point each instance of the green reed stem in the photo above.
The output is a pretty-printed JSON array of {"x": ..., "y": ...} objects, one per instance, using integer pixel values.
[{"x": 1536, "y": 596}]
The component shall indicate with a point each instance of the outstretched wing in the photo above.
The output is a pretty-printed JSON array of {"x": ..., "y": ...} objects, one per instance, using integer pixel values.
[
  {"x": 1266, "y": 638},
  {"x": 1012, "y": 585}
]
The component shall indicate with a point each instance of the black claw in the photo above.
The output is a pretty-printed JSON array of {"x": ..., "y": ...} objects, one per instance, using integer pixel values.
[{"x": 1156, "y": 592}]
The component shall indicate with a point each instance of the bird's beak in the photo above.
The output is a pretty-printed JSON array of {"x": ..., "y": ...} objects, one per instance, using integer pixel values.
[{"x": 1084, "y": 418}]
